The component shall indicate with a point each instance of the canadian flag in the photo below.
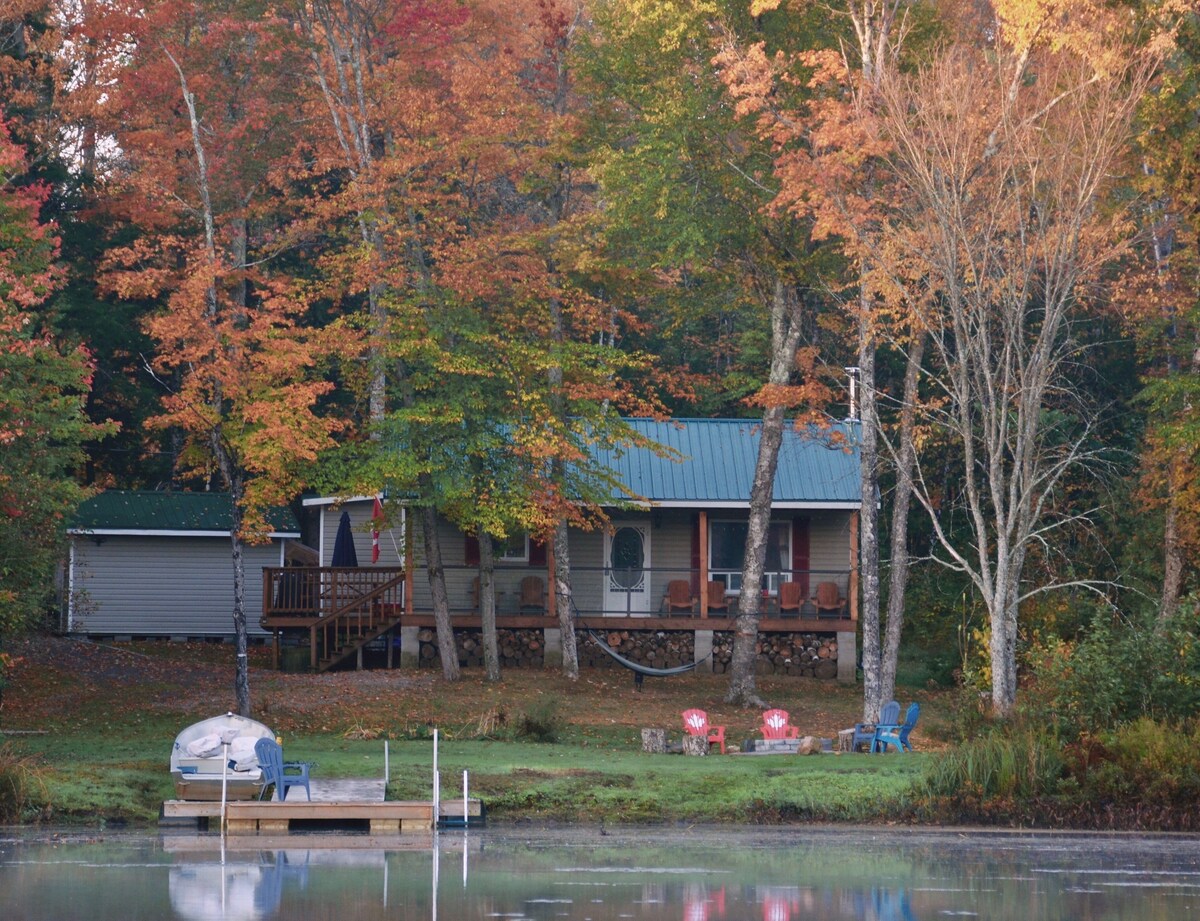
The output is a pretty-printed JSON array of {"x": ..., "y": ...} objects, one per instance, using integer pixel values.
[{"x": 376, "y": 517}]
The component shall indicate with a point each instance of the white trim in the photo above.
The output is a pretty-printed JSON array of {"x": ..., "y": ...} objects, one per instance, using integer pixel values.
[
  {"x": 523, "y": 558},
  {"x": 321, "y": 538},
  {"x": 700, "y": 505},
  {"x": 70, "y": 587},
  {"x": 795, "y": 504},
  {"x": 132, "y": 532},
  {"x": 338, "y": 500}
]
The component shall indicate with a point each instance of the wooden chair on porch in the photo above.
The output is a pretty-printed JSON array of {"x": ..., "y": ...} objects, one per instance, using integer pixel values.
[
  {"x": 533, "y": 594},
  {"x": 789, "y": 599},
  {"x": 679, "y": 596},
  {"x": 718, "y": 601},
  {"x": 828, "y": 600}
]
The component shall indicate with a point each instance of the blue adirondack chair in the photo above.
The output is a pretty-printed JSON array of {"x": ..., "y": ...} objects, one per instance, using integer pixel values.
[
  {"x": 275, "y": 769},
  {"x": 897, "y": 735},
  {"x": 864, "y": 733}
]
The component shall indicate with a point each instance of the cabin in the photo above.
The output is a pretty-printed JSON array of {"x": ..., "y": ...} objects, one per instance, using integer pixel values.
[
  {"x": 159, "y": 564},
  {"x": 661, "y": 582}
]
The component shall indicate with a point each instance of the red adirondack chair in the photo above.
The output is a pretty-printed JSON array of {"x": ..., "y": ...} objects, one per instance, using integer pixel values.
[
  {"x": 696, "y": 724},
  {"x": 775, "y": 726}
]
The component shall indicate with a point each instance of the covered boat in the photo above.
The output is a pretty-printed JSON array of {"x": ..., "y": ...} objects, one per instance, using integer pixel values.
[{"x": 222, "y": 745}]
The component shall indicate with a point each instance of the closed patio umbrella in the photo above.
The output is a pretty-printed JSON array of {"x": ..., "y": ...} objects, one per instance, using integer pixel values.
[{"x": 343, "y": 545}]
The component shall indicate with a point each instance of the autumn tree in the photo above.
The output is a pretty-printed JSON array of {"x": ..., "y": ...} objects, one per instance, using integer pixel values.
[
  {"x": 1007, "y": 157},
  {"x": 199, "y": 107},
  {"x": 1161, "y": 308},
  {"x": 830, "y": 169},
  {"x": 43, "y": 387},
  {"x": 689, "y": 186}
]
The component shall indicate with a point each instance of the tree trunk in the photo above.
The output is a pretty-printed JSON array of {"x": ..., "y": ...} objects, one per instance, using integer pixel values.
[
  {"x": 437, "y": 587},
  {"x": 898, "y": 572},
  {"x": 868, "y": 534},
  {"x": 1173, "y": 561},
  {"x": 227, "y": 462},
  {"x": 241, "y": 671},
  {"x": 487, "y": 605},
  {"x": 785, "y": 337},
  {"x": 563, "y": 601}
]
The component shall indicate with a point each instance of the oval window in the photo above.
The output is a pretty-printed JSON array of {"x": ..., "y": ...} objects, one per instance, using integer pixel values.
[{"x": 626, "y": 558}]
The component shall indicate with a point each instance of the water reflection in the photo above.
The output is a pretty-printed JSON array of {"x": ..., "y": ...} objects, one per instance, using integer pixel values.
[{"x": 713, "y": 875}]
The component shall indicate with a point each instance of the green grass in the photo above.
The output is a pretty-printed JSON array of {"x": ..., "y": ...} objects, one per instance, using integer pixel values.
[
  {"x": 97, "y": 779},
  {"x": 96, "y": 723},
  {"x": 571, "y": 783}
]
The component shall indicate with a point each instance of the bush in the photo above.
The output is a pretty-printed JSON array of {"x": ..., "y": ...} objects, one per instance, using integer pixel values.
[
  {"x": 1119, "y": 671},
  {"x": 540, "y": 723}
]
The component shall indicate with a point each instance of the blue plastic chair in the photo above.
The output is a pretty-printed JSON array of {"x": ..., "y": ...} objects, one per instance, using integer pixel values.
[
  {"x": 864, "y": 733},
  {"x": 896, "y": 735},
  {"x": 275, "y": 769}
]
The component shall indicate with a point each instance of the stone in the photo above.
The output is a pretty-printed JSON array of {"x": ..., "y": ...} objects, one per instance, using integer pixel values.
[
  {"x": 654, "y": 741},
  {"x": 809, "y": 745}
]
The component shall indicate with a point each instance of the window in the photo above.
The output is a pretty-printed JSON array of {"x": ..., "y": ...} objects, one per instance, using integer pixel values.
[
  {"x": 727, "y": 549},
  {"x": 513, "y": 549}
]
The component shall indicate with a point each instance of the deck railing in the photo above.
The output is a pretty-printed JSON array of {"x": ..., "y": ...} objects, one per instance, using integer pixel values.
[
  {"x": 317, "y": 591},
  {"x": 300, "y": 594},
  {"x": 606, "y": 592}
]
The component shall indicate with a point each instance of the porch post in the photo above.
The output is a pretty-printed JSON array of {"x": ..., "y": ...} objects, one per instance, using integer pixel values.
[
  {"x": 852, "y": 588},
  {"x": 409, "y": 570},
  {"x": 704, "y": 568}
]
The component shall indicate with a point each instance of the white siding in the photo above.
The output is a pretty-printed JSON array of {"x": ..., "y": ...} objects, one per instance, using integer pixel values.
[{"x": 162, "y": 586}]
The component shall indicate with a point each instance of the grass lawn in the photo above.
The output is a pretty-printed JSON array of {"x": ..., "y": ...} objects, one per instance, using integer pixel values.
[{"x": 94, "y": 724}]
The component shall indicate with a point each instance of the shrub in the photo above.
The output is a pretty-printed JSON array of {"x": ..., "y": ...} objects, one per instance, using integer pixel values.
[
  {"x": 1119, "y": 671},
  {"x": 540, "y": 722},
  {"x": 18, "y": 777}
]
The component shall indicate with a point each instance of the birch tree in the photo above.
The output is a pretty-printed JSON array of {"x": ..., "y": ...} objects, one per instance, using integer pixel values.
[{"x": 1007, "y": 157}]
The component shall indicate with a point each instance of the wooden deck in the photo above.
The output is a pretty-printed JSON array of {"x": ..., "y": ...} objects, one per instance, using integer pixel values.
[
  {"x": 382, "y": 818},
  {"x": 334, "y": 803}
]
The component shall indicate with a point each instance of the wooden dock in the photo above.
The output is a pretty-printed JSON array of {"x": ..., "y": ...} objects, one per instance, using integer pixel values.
[
  {"x": 273, "y": 817},
  {"x": 253, "y": 817}
]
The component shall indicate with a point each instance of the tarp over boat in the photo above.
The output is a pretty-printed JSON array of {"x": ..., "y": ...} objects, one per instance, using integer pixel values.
[{"x": 216, "y": 747}]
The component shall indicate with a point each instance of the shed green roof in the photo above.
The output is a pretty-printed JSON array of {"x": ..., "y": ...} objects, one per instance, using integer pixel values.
[
  {"x": 179, "y": 512},
  {"x": 818, "y": 466}
]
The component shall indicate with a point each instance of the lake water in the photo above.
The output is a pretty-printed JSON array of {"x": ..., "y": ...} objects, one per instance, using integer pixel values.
[{"x": 698, "y": 874}]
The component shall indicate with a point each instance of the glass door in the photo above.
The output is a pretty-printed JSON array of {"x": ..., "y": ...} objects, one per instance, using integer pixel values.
[{"x": 626, "y": 569}]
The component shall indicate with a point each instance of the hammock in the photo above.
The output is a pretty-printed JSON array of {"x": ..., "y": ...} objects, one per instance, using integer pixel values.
[{"x": 641, "y": 671}]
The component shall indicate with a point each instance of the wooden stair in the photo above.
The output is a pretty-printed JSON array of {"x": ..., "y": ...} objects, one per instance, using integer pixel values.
[
  {"x": 354, "y": 622},
  {"x": 352, "y": 634}
]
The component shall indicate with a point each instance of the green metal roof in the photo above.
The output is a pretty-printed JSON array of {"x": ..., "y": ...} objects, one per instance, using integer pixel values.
[
  {"x": 157, "y": 512},
  {"x": 818, "y": 467}
]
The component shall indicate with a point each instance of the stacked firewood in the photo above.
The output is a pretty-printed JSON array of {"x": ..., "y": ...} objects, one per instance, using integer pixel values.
[
  {"x": 654, "y": 648},
  {"x": 809, "y": 655},
  {"x": 518, "y": 648}
]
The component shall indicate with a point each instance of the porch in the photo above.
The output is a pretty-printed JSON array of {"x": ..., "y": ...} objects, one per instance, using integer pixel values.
[{"x": 337, "y": 611}]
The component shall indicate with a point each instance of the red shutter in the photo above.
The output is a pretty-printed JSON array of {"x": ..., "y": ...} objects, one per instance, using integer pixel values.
[
  {"x": 471, "y": 551},
  {"x": 800, "y": 554},
  {"x": 537, "y": 553},
  {"x": 696, "y": 555}
]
